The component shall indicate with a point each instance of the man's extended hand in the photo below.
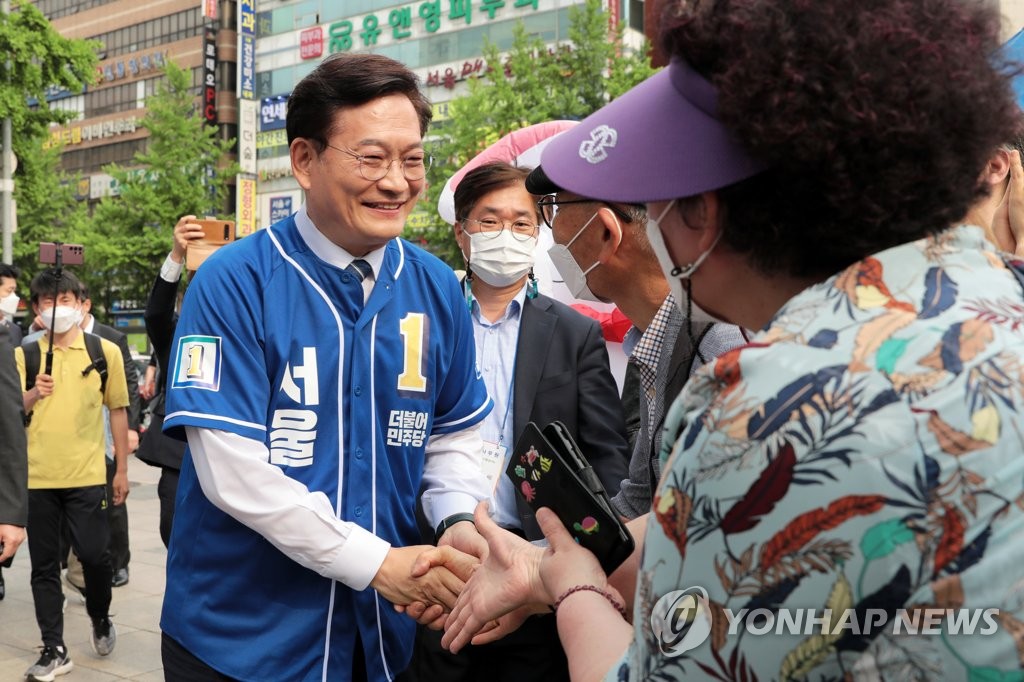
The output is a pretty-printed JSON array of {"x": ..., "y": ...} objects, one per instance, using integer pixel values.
[
  {"x": 463, "y": 537},
  {"x": 439, "y": 585},
  {"x": 10, "y": 537}
]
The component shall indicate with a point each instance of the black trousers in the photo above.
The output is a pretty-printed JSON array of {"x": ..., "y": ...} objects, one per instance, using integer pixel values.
[
  {"x": 533, "y": 652},
  {"x": 166, "y": 490},
  {"x": 180, "y": 665},
  {"x": 120, "y": 554},
  {"x": 84, "y": 510}
]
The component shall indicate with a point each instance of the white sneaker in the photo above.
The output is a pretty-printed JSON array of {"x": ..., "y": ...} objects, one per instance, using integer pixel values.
[
  {"x": 52, "y": 661},
  {"x": 104, "y": 636}
]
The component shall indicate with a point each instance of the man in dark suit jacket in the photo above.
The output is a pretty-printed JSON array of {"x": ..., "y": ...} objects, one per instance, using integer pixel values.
[
  {"x": 564, "y": 375},
  {"x": 157, "y": 449},
  {"x": 542, "y": 361},
  {"x": 13, "y": 457}
]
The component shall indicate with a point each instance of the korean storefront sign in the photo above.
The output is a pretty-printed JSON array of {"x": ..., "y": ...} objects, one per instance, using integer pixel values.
[{"x": 403, "y": 22}]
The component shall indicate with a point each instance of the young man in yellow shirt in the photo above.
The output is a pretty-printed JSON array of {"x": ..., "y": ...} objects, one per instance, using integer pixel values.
[{"x": 67, "y": 467}]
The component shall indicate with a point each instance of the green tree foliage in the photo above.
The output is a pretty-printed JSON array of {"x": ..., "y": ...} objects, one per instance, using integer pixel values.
[
  {"x": 532, "y": 85},
  {"x": 181, "y": 172},
  {"x": 48, "y": 210},
  {"x": 36, "y": 60}
]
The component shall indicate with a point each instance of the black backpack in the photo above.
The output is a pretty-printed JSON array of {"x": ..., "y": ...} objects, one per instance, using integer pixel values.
[{"x": 33, "y": 358}]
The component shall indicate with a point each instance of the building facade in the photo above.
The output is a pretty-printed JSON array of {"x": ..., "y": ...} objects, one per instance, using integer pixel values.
[
  {"x": 259, "y": 52},
  {"x": 136, "y": 39},
  {"x": 441, "y": 40}
]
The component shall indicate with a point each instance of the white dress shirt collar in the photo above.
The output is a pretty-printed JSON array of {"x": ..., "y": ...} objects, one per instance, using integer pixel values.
[{"x": 328, "y": 251}]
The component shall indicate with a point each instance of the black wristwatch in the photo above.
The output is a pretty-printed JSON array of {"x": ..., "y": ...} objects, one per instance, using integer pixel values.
[{"x": 449, "y": 522}]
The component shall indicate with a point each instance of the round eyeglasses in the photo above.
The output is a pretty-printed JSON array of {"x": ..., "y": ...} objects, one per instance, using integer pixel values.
[
  {"x": 374, "y": 167},
  {"x": 548, "y": 206},
  {"x": 492, "y": 227}
]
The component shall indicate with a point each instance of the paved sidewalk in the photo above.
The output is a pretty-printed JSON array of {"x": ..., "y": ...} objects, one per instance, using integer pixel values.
[{"x": 135, "y": 609}]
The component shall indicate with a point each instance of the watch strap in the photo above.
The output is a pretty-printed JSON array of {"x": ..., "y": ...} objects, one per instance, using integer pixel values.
[{"x": 451, "y": 521}]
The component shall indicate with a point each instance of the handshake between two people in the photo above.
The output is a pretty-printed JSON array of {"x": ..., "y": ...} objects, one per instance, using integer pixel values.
[{"x": 482, "y": 583}]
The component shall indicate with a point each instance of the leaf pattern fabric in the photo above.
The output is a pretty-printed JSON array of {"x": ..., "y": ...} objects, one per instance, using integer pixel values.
[{"x": 863, "y": 457}]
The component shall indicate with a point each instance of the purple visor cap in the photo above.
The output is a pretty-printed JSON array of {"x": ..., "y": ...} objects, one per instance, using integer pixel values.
[{"x": 659, "y": 141}]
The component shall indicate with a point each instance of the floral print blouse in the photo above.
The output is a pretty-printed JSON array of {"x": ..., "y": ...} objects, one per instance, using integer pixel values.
[{"x": 848, "y": 489}]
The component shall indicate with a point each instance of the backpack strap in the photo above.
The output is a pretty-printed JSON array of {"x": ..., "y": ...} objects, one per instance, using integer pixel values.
[{"x": 94, "y": 346}]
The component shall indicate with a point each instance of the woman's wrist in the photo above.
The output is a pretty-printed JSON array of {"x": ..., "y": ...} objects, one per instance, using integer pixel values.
[{"x": 579, "y": 589}]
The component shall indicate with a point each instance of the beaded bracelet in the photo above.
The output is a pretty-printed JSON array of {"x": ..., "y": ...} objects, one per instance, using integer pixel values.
[{"x": 621, "y": 608}]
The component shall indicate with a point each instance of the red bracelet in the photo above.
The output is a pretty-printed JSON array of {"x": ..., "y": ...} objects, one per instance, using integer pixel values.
[{"x": 619, "y": 606}]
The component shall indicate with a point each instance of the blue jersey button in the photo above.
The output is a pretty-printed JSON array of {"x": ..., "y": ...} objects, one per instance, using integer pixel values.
[
  {"x": 359, "y": 511},
  {"x": 359, "y": 453},
  {"x": 357, "y": 390}
]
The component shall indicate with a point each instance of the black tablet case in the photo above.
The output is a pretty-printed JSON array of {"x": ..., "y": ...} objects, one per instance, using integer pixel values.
[{"x": 548, "y": 470}]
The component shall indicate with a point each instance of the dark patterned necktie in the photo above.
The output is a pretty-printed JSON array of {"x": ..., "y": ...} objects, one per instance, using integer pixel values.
[{"x": 359, "y": 269}]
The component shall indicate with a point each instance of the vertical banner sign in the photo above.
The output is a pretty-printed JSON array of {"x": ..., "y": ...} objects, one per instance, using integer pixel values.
[
  {"x": 210, "y": 77},
  {"x": 246, "y": 209},
  {"x": 210, "y": 9},
  {"x": 248, "y": 113},
  {"x": 247, "y": 49}
]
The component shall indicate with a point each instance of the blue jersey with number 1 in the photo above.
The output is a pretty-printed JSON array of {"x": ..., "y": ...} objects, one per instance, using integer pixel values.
[{"x": 276, "y": 345}]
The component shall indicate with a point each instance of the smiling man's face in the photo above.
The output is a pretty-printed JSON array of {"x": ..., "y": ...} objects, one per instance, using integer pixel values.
[{"x": 359, "y": 214}]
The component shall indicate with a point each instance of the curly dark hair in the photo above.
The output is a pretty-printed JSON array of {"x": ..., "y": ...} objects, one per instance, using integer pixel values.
[{"x": 877, "y": 117}]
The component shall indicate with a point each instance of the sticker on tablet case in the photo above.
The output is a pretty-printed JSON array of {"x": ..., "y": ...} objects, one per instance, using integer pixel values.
[
  {"x": 528, "y": 492},
  {"x": 535, "y": 462},
  {"x": 588, "y": 526}
]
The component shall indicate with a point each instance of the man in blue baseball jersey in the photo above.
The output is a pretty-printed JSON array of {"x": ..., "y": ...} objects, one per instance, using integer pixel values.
[{"x": 323, "y": 372}]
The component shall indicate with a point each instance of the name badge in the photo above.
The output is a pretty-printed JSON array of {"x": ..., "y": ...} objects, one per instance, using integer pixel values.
[{"x": 492, "y": 463}]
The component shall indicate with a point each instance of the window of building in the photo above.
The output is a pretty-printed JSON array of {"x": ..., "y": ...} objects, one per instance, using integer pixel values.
[
  {"x": 152, "y": 33},
  {"x": 93, "y": 159},
  {"x": 55, "y": 9}
]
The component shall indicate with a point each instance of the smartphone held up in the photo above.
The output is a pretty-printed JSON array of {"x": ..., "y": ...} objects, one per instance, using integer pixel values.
[
  {"x": 216, "y": 233},
  {"x": 60, "y": 254}
]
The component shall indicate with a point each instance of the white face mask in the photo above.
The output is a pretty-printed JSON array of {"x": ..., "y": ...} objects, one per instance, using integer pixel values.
[
  {"x": 574, "y": 276},
  {"x": 66, "y": 318},
  {"x": 500, "y": 260},
  {"x": 9, "y": 305},
  {"x": 676, "y": 274}
]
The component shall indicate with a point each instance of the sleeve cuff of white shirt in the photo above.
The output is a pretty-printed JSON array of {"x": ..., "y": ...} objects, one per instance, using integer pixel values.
[
  {"x": 170, "y": 271},
  {"x": 453, "y": 503},
  {"x": 359, "y": 559}
]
